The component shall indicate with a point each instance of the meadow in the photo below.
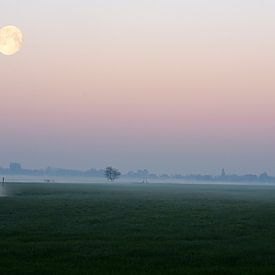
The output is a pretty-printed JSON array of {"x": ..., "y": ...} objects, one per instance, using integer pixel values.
[{"x": 137, "y": 229}]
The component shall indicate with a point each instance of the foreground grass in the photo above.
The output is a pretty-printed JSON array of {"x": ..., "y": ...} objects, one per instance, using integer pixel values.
[{"x": 137, "y": 229}]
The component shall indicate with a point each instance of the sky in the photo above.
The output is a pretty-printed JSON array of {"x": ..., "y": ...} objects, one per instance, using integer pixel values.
[{"x": 173, "y": 86}]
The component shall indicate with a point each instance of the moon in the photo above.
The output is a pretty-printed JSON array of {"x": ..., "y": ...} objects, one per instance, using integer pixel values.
[{"x": 11, "y": 40}]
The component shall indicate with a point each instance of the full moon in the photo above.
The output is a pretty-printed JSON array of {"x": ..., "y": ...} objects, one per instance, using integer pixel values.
[{"x": 11, "y": 40}]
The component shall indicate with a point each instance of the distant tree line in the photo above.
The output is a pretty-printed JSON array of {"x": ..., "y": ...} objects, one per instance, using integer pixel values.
[{"x": 113, "y": 174}]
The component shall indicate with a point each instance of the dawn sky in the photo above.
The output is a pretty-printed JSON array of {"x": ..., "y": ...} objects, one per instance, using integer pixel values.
[{"x": 172, "y": 86}]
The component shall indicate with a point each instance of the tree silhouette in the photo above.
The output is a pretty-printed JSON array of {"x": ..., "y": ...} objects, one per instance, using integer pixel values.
[{"x": 111, "y": 173}]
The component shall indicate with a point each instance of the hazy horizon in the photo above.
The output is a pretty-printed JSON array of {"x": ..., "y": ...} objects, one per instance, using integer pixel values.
[{"x": 173, "y": 86}]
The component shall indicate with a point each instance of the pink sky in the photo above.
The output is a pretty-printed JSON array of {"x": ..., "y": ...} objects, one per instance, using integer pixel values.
[{"x": 174, "y": 87}]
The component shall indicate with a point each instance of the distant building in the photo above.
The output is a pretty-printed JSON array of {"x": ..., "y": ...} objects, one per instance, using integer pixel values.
[
  {"x": 15, "y": 167},
  {"x": 223, "y": 174}
]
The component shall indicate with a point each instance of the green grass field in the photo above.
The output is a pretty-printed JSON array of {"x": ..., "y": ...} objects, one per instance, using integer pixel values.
[{"x": 137, "y": 229}]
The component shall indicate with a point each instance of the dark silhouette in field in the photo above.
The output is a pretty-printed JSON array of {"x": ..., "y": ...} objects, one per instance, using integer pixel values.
[{"x": 111, "y": 173}]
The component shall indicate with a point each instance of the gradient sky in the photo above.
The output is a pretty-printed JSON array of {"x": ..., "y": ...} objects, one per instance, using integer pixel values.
[{"x": 172, "y": 86}]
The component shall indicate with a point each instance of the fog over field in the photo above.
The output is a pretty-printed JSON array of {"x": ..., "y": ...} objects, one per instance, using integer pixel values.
[
  {"x": 3, "y": 192},
  {"x": 137, "y": 137}
]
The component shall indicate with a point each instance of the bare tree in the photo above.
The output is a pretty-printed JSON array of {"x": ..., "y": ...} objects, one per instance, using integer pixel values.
[{"x": 111, "y": 173}]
